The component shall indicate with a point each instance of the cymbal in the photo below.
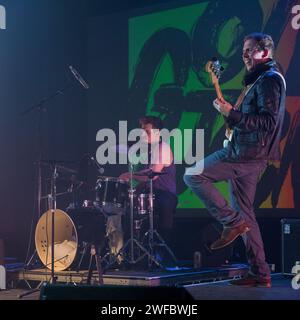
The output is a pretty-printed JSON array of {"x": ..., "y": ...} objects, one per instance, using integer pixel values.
[
  {"x": 53, "y": 162},
  {"x": 66, "y": 169},
  {"x": 67, "y": 180},
  {"x": 59, "y": 167},
  {"x": 57, "y": 195}
]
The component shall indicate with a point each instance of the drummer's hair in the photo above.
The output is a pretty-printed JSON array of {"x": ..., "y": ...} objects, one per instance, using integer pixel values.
[{"x": 155, "y": 121}]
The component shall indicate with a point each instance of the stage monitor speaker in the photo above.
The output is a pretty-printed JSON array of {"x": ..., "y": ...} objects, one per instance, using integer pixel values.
[
  {"x": 112, "y": 292},
  {"x": 290, "y": 244}
]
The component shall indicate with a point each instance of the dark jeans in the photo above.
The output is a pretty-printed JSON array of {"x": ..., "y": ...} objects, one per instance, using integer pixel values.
[{"x": 242, "y": 178}]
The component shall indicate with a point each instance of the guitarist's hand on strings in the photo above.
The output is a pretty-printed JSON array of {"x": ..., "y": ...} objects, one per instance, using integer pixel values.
[{"x": 222, "y": 106}]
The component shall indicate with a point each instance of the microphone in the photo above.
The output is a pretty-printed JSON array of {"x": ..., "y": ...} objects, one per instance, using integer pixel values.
[
  {"x": 78, "y": 77},
  {"x": 100, "y": 169}
]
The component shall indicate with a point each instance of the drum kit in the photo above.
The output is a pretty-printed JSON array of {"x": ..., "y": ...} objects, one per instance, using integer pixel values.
[{"x": 63, "y": 238}]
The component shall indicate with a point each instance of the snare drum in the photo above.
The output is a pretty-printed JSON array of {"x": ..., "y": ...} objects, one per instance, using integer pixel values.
[{"x": 111, "y": 194}]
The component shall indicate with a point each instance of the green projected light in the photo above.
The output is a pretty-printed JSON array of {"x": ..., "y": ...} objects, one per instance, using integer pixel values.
[
  {"x": 143, "y": 28},
  {"x": 168, "y": 51}
]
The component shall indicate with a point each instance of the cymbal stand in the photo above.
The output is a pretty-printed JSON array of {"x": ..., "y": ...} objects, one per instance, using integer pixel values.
[{"x": 52, "y": 205}]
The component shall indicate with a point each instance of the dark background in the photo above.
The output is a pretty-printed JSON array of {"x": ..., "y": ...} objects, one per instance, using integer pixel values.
[{"x": 42, "y": 39}]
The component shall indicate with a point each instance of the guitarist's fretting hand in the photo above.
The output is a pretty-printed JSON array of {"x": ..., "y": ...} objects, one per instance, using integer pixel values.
[{"x": 222, "y": 106}]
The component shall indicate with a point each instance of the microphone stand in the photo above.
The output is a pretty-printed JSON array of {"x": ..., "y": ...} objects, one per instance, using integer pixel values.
[{"x": 40, "y": 106}]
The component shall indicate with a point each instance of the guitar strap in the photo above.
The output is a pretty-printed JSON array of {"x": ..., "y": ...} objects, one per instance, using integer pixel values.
[
  {"x": 241, "y": 97},
  {"x": 247, "y": 88},
  {"x": 245, "y": 92}
]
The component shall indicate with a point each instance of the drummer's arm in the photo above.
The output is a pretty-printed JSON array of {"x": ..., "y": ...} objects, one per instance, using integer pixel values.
[
  {"x": 126, "y": 176},
  {"x": 164, "y": 159},
  {"x": 154, "y": 168}
]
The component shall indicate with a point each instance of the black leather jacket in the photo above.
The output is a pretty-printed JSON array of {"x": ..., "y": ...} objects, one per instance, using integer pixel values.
[{"x": 258, "y": 122}]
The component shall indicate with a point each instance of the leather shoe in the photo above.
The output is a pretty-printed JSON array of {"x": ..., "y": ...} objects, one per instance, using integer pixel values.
[
  {"x": 252, "y": 281},
  {"x": 229, "y": 235}
]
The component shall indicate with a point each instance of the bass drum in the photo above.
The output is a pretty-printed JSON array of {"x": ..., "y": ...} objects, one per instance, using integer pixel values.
[{"x": 73, "y": 232}]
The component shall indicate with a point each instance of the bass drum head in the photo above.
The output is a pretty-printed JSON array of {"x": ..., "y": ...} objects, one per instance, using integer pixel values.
[{"x": 65, "y": 240}]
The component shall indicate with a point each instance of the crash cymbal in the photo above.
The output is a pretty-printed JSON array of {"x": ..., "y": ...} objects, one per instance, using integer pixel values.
[
  {"x": 66, "y": 169},
  {"x": 57, "y": 195},
  {"x": 53, "y": 162},
  {"x": 59, "y": 165}
]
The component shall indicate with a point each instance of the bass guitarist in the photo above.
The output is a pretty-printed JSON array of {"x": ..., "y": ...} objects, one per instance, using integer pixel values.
[{"x": 256, "y": 125}]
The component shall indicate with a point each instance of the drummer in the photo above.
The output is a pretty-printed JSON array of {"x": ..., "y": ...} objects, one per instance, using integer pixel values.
[{"x": 164, "y": 185}]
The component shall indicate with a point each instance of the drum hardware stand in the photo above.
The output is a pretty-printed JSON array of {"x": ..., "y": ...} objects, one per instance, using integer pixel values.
[
  {"x": 153, "y": 232},
  {"x": 27, "y": 293},
  {"x": 83, "y": 253},
  {"x": 52, "y": 203},
  {"x": 132, "y": 241},
  {"x": 98, "y": 266}
]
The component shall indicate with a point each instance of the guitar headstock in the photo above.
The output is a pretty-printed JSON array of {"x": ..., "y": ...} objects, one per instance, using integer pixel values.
[{"x": 214, "y": 68}]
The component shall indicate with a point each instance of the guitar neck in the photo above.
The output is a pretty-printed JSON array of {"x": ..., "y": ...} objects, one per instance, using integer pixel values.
[
  {"x": 218, "y": 91},
  {"x": 220, "y": 96}
]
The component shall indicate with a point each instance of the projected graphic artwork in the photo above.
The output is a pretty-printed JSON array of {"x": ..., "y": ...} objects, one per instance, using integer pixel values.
[{"x": 168, "y": 51}]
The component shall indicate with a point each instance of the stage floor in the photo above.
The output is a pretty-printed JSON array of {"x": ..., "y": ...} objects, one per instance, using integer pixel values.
[
  {"x": 171, "y": 277},
  {"x": 281, "y": 290},
  {"x": 219, "y": 290}
]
